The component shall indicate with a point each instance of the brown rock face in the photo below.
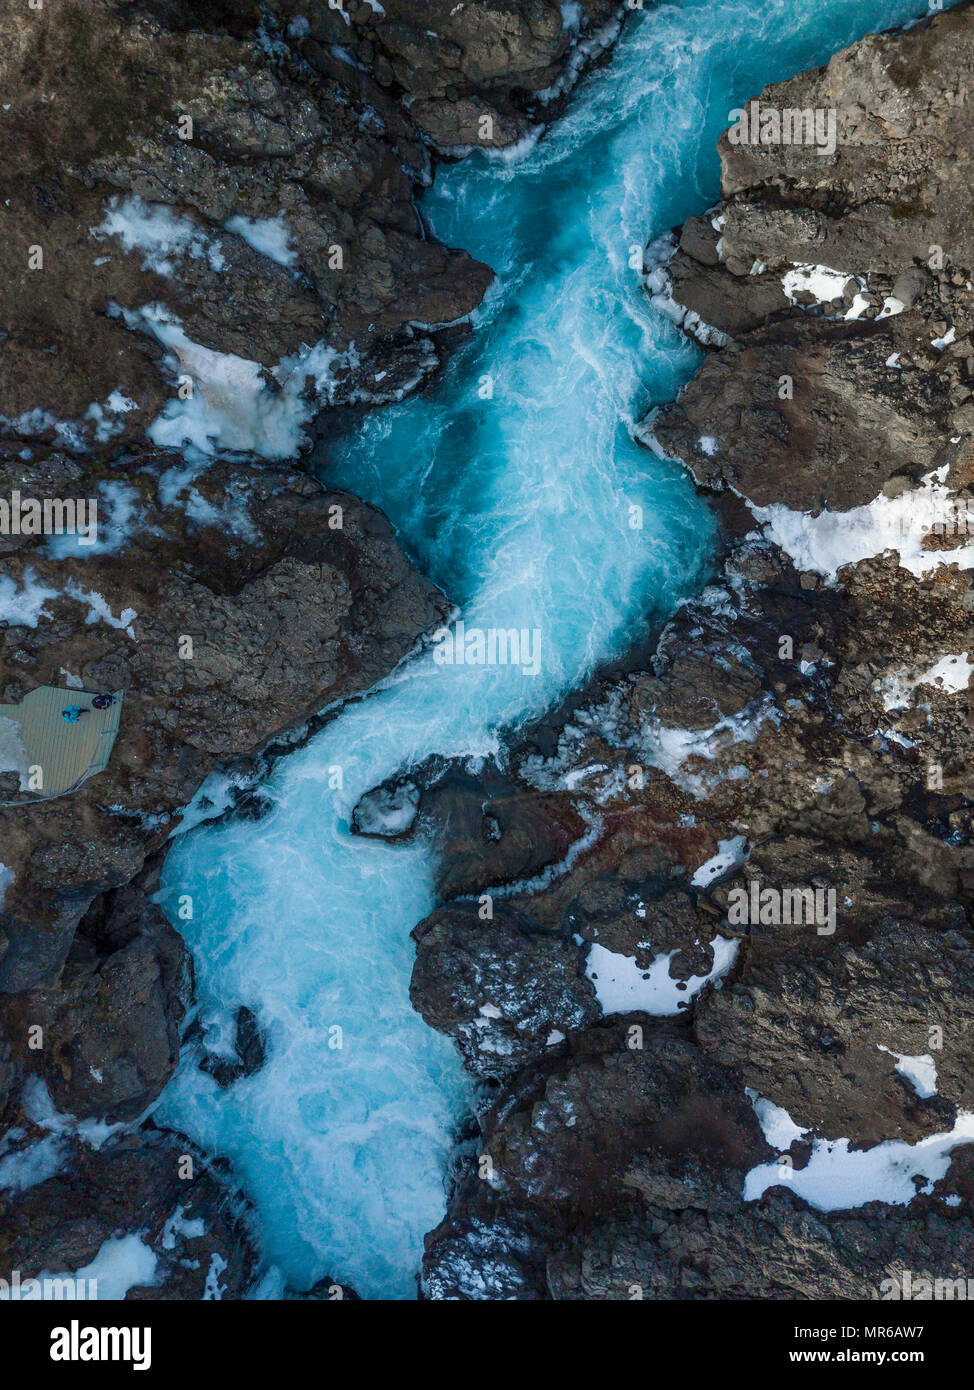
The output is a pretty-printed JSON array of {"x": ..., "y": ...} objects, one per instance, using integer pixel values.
[
  {"x": 477, "y": 73},
  {"x": 813, "y": 413},
  {"x": 888, "y": 190},
  {"x": 489, "y": 830},
  {"x": 686, "y": 1235},
  {"x": 154, "y": 1188},
  {"x": 116, "y": 120},
  {"x": 840, "y": 396},
  {"x": 502, "y": 988},
  {"x": 800, "y": 730},
  {"x": 210, "y": 236},
  {"x": 110, "y": 1027},
  {"x": 205, "y": 124},
  {"x": 562, "y": 1138},
  {"x": 292, "y": 597}
]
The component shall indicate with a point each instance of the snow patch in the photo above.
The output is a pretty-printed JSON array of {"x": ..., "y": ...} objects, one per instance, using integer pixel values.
[
  {"x": 26, "y": 1168},
  {"x": 178, "y": 1227},
  {"x": 668, "y": 748},
  {"x": 730, "y": 855},
  {"x": 213, "y": 1289},
  {"x": 857, "y": 308},
  {"x": 119, "y": 514},
  {"x": 820, "y": 281},
  {"x": 950, "y": 674},
  {"x": 106, "y": 417},
  {"x": 39, "y": 1108},
  {"x": 920, "y": 1071},
  {"x": 24, "y": 607},
  {"x": 122, "y": 1263},
  {"x": 159, "y": 232},
  {"x": 891, "y": 307},
  {"x": 949, "y": 337},
  {"x": 268, "y": 235},
  {"x": 777, "y": 1126},
  {"x": 621, "y": 986},
  {"x": 99, "y": 609},
  {"x": 238, "y": 407},
  {"x": 826, "y": 542},
  {"x": 838, "y": 1177}
]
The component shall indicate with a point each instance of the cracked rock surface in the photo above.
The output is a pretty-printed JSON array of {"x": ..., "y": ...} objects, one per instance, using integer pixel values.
[
  {"x": 805, "y": 724},
  {"x": 213, "y": 239}
]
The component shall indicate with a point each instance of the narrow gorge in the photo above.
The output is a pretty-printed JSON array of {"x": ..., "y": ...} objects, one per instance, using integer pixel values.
[{"x": 423, "y": 935}]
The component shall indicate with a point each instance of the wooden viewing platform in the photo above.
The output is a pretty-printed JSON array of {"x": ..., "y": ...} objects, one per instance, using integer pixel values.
[{"x": 68, "y": 753}]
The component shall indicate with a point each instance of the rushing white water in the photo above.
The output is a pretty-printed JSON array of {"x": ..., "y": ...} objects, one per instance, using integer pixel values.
[{"x": 513, "y": 484}]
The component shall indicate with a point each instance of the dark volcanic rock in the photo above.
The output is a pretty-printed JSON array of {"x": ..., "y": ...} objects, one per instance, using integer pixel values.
[
  {"x": 294, "y": 598},
  {"x": 154, "y": 1187},
  {"x": 489, "y": 829},
  {"x": 802, "y": 726},
  {"x": 502, "y": 987},
  {"x": 844, "y": 401},
  {"x": 687, "y": 1236},
  {"x": 203, "y": 129},
  {"x": 618, "y": 1175},
  {"x": 249, "y": 1051},
  {"x": 110, "y": 1026},
  {"x": 816, "y": 1023},
  {"x": 477, "y": 73},
  {"x": 178, "y": 129},
  {"x": 557, "y": 1143},
  {"x": 813, "y": 413},
  {"x": 217, "y": 119}
]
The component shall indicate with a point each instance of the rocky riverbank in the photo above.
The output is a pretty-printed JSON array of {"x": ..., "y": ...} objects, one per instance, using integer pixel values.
[
  {"x": 659, "y": 1018},
  {"x": 212, "y": 234}
]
